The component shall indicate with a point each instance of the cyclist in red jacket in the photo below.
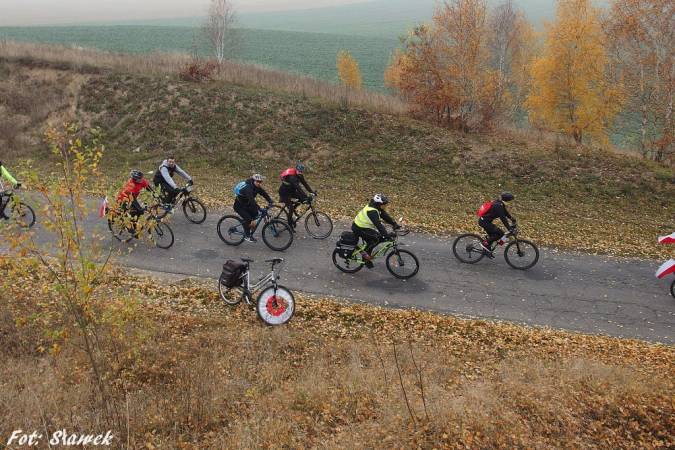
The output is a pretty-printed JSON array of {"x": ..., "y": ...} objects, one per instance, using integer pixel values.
[
  {"x": 128, "y": 196},
  {"x": 495, "y": 210}
]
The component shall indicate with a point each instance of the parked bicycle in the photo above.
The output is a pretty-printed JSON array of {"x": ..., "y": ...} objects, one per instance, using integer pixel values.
[
  {"x": 276, "y": 234},
  {"x": 125, "y": 227},
  {"x": 519, "y": 253},
  {"x": 275, "y": 304},
  {"x": 194, "y": 209},
  {"x": 318, "y": 224},
  {"x": 17, "y": 210},
  {"x": 400, "y": 263}
]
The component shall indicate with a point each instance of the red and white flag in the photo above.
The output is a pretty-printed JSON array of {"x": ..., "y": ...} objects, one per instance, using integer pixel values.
[
  {"x": 104, "y": 205},
  {"x": 666, "y": 268},
  {"x": 667, "y": 239}
]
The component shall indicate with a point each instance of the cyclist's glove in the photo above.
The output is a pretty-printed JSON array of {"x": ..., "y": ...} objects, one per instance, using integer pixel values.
[
  {"x": 271, "y": 202},
  {"x": 190, "y": 183},
  {"x": 396, "y": 226},
  {"x": 17, "y": 185},
  {"x": 391, "y": 236}
]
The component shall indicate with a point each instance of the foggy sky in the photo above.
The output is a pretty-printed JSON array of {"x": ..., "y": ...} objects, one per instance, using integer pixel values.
[{"x": 53, "y": 12}]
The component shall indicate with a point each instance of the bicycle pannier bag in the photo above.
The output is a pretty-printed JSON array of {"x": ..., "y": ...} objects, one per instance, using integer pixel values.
[
  {"x": 238, "y": 187},
  {"x": 232, "y": 272},
  {"x": 348, "y": 238},
  {"x": 347, "y": 243},
  {"x": 483, "y": 209}
]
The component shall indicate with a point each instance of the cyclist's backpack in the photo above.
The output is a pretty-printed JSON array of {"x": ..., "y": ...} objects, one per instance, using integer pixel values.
[
  {"x": 347, "y": 243},
  {"x": 483, "y": 209},
  {"x": 232, "y": 273},
  {"x": 239, "y": 187}
]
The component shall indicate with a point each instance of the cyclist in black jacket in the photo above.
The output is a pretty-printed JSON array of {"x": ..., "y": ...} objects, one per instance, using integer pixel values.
[
  {"x": 290, "y": 189},
  {"x": 246, "y": 206},
  {"x": 496, "y": 210}
]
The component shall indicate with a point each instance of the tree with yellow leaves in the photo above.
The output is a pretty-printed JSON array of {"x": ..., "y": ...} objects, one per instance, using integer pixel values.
[
  {"x": 348, "y": 69},
  {"x": 463, "y": 67},
  {"x": 570, "y": 92}
]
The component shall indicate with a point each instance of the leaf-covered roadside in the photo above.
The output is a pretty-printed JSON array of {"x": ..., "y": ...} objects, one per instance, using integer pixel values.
[{"x": 343, "y": 375}]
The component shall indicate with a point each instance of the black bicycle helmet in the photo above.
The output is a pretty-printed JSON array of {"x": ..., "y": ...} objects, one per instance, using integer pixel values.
[
  {"x": 136, "y": 174},
  {"x": 380, "y": 199},
  {"x": 507, "y": 196},
  {"x": 300, "y": 167}
]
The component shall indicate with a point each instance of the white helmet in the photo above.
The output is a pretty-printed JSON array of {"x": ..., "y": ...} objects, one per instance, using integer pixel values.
[
  {"x": 380, "y": 198},
  {"x": 257, "y": 177}
]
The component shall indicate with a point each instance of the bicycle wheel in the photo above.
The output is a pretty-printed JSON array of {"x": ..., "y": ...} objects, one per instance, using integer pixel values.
[
  {"x": 122, "y": 232},
  {"x": 22, "y": 214},
  {"x": 347, "y": 265},
  {"x": 162, "y": 235},
  {"x": 318, "y": 225},
  {"x": 194, "y": 210},
  {"x": 467, "y": 248},
  {"x": 275, "y": 309},
  {"x": 277, "y": 235},
  {"x": 230, "y": 230},
  {"x": 402, "y": 264},
  {"x": 226, "y": 292},
  {"x": 521, "y": 254},
  {"x": 672, "y": 288},
  {"x": 278, "y": 212}
]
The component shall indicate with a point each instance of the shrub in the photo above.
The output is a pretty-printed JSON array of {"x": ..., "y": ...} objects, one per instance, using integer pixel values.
[{"x": 199, "y": 70}]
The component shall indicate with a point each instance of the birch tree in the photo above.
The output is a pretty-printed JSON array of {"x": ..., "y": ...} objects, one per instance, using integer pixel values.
[
  {"x": 348, "y": 69},
  {"x": 642, "y": 42},
  {"x": 570, "y": 90},
  {"x": 219, "y": 30}
]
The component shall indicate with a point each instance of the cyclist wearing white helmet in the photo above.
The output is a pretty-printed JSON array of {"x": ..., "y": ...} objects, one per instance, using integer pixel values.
[
  {"x": 246, "y": 206},
  {"x": 368, "y": 225},
  {"x": 495, "y": 210},
  {"x": 290, "y": 189}
]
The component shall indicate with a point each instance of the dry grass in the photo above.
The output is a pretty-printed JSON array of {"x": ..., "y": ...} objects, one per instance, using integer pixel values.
[
  {"x": 338, "y": 376},
  {"x": 170, "y": 64}
]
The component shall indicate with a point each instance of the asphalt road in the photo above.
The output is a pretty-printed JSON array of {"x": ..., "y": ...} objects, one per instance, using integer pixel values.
[
  {"x": 602, "y": 295},
  {"x": 617, "y": 297}
]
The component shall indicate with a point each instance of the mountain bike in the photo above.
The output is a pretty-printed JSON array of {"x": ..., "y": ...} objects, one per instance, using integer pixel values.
[
  {"x": 519, "y": 253},
  {"x": 275, "y": 304},
  {"x": 17, "y": 210},
  {"x": 318, "y": 224},
  {"x": 194, "y": 209},
  {"x": 400, "y": 263},
  {"x": 276, "y": 234},
  {"x": 125, "y": 227}
]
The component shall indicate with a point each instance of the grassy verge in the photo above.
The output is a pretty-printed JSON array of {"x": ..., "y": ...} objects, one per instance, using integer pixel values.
[{"x": 338, "y": 376}]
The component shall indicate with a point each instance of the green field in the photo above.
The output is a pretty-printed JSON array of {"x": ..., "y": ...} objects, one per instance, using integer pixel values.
[{"x": 311, "y": 54}]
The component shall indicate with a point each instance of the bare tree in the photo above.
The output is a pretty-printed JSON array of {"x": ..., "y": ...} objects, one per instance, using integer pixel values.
[{"x": 219, "y": 29}]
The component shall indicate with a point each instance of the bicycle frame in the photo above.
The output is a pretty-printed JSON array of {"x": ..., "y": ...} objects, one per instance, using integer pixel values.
[
  {"x": 309, "y": 207},
  {"x": 247, "y": 290},
  {"x": 258, "y": 220},
  {"x": 387, "y": 245}
]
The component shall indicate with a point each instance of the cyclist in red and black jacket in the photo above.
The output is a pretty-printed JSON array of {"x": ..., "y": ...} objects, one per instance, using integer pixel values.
[
  {"x": 496, "y": 210},
  {"x": 290, "y": 189},
  {"x": 246, "y": 206},
  {"x": 128, "y": 196}
]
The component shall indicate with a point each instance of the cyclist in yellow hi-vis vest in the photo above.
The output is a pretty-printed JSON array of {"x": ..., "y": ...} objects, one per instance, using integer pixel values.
[
  {"x": 10, "y": 178},
  {"x": 368, "y": 225}
]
